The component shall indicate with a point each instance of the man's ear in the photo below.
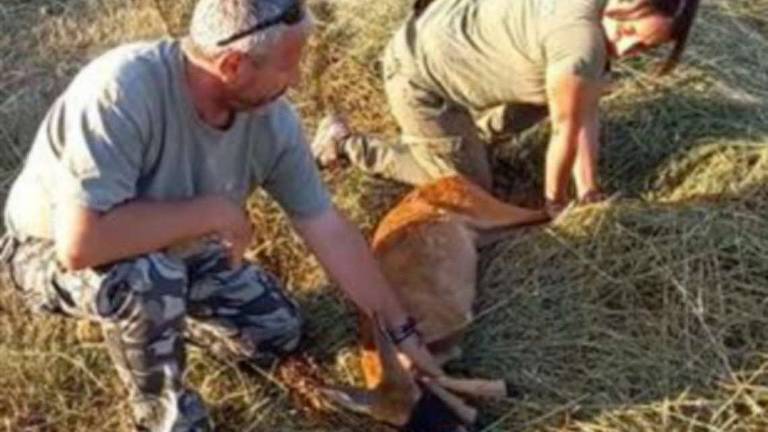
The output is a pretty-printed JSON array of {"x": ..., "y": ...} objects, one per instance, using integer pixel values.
[{"x": 229, "y": 64}]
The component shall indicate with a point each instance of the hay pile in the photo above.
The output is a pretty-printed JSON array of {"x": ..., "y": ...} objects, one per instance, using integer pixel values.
[
  {"x": 632, "y": 313},
  {"x": 644, "y": 313},
  {"x": 649, "y": 312}
]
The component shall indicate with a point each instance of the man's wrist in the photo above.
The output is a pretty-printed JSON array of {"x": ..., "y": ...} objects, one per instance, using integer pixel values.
[{"x": 400, "y": 333}]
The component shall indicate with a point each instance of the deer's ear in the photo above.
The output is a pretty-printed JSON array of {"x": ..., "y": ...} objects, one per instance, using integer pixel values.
[{"x": 354, "y": 399}]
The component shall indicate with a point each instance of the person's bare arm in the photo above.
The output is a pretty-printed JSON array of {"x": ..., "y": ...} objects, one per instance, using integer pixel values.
[
  {"x": 573, "y": 146},
  {"x": 345, "y": 255},
  {"x": 87, "y": 238}
]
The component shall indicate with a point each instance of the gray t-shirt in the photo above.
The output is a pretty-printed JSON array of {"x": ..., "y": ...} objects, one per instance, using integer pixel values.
[
  {"x": 126, "y": 128},
  {"x": 485, "y": 53}
]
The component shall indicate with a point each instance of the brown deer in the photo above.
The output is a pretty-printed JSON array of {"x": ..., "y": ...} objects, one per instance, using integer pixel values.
[{"x": 427, "y": 246}]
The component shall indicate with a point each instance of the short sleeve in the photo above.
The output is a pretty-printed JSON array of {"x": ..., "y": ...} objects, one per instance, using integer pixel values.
[
  {"x": 577, "y": 49},
  {"x": 293, "y": 180},
  {"x": 101, "y": 147}
]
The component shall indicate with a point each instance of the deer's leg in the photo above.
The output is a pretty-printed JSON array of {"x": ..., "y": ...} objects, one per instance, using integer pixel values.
[
  {"x": 446, "y": 349},
  {"x": 443, "y": 357},
  {"x": 465, "y": 412},
  {"x": 475, "y": 387}
]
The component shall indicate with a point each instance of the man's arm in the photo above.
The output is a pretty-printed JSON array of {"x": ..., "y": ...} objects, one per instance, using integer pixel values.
[
  {"x": 87, "y": 238},
  {"x": 573, "y": 146},
  {"x": 345, "y": 255}
]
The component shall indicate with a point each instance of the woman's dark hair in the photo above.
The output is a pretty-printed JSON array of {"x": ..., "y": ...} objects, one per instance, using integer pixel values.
[{"x": 682, "y": 12}]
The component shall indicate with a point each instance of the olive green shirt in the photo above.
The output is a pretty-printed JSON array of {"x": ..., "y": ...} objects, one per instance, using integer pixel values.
[{"x": 485, "y": 53}]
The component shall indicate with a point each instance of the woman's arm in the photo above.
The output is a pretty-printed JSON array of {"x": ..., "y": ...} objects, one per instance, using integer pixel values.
[{"x": 574, "y": 143}]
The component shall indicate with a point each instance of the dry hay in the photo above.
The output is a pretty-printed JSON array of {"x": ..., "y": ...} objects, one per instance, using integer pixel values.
[
  {"x": 716, "y": 173},
  {"x": 643, "y": 314},
  {"x": 631, "y": 310},
  {"x": 350, "y": 82},
  {"x": 304, "y": 379},
  {"x": 354, "y": 89},
  {"x": 175, "y": 14}
]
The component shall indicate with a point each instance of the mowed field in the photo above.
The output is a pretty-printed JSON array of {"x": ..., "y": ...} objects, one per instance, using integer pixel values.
[{"x": 645, "y": 313}]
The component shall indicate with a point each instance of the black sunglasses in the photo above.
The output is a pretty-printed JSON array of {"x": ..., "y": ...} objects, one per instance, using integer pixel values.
[{"x": 291, "y": 15}]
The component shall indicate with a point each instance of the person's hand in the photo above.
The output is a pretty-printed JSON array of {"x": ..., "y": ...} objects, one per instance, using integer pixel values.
[
  {"x": 592, "y": 196},
  {"x": 231, "y": 225},
  {"x": 554, "y": 208},
  {"x": 235, "y": 242}
]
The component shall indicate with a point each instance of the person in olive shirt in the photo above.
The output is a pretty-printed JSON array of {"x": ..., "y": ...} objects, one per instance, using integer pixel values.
[
  {"x": 130, "y": 208},
  {"x": 462, "y": 73}
]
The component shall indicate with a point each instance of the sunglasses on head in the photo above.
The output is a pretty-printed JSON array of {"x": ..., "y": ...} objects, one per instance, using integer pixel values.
[{"x": 293, "y": 14}]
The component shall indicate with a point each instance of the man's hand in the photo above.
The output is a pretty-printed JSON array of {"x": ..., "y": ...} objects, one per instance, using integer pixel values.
[
  {"x": 230, "y": 223},
  {"x": 88, "y": 238}
]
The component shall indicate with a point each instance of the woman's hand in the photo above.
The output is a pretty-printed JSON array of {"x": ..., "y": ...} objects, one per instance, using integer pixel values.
[
  {"x": 554, "y": 208},
  {"x": 592, "y": 196}
]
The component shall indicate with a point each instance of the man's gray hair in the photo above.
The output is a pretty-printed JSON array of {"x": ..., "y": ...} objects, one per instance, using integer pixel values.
[{"x": 215, "y": 20}]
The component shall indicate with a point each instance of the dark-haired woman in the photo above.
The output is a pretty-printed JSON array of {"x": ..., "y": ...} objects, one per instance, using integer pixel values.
[{"x": 463, "y": 73}]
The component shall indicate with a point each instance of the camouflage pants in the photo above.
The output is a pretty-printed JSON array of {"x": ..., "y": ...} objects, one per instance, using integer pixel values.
[
  {"x": 143, "y": 305},
  {"x": 438, "y": 137}
]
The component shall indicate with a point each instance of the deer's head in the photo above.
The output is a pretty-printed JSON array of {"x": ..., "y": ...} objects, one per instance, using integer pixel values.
[{"x": 398, "y": 399}]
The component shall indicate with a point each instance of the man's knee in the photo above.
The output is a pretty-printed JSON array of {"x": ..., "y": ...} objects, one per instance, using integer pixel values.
[
  {"x": 291, "y": 333},
  {"x": 276, "y": 333},
  {"x": 145, "y": 296},
  {"x": 284, "y": 331}
]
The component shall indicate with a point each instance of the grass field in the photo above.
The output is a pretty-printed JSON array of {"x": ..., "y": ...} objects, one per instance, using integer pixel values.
[{"x": 649, "y": 312}]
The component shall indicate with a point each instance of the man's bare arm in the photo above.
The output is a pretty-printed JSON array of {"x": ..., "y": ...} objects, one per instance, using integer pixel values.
[
  {"x": 345, "y": 255},
  {"x": 87, "y": 238}
]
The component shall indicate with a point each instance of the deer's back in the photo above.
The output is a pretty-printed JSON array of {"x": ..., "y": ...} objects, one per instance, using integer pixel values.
[
  {"x": 431, "y": 203},
  {"x": 428, "y": 254}
]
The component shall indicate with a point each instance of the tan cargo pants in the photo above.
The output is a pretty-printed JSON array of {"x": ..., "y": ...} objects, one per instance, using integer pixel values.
[{"x": 438, "y": 137}]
